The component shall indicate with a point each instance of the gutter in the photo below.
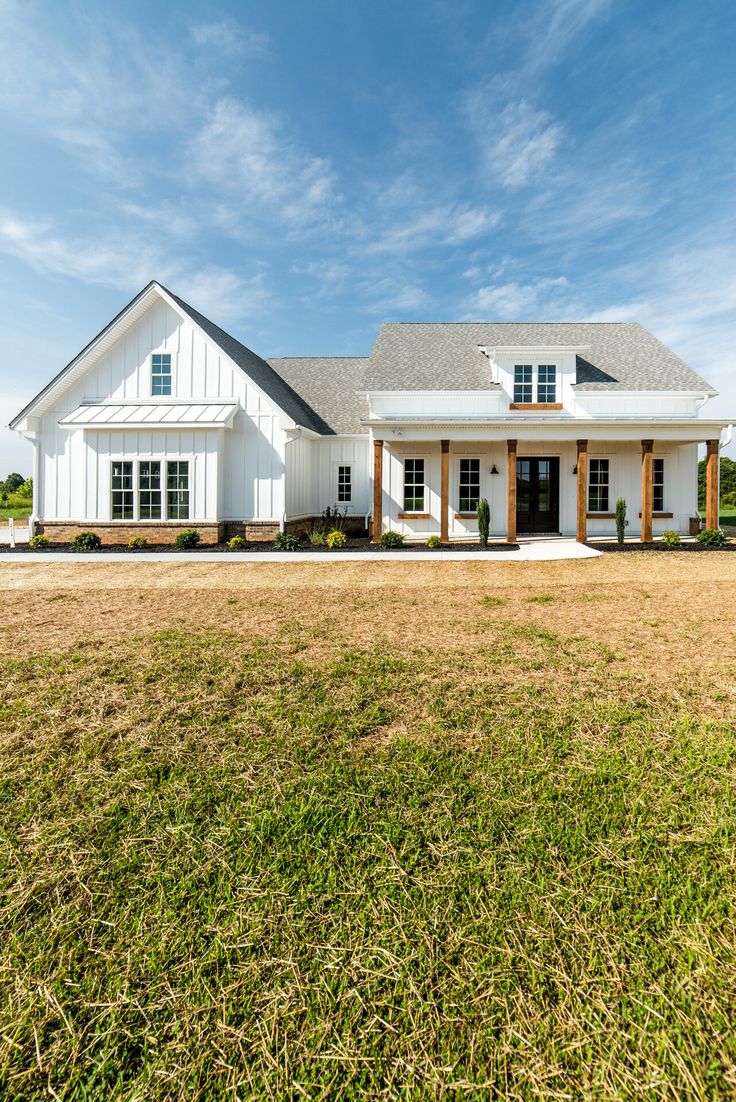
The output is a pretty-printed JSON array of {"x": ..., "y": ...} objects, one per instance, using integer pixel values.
[{"x": 729, "y": 438}]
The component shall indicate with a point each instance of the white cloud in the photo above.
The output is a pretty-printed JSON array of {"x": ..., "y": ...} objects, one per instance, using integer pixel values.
[
  {"x": 556, "y": 25},
  {"x": 127, "y": 263},
  {"x": 389, "y": 297},
  {"x": 229, "y": 38},
  {"x": 252, "y": 155},
  {"x": 515, "y": 301},
  {"x": 517, "y": 142}
]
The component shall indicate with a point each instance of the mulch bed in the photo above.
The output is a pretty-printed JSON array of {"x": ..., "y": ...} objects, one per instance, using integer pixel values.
[
  {"x": 689, "y": 547},
  {"x": 363, "y": 545}
]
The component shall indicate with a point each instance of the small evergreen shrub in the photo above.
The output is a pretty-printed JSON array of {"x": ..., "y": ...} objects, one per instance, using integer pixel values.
[
  {"x": 712, "y": 537},
  {"x": 484, "y": 521},
  {"x": 86, "y": 541},
  {"x": 336, "y": 538},
  {"x": 237, "y": 543},
  {"x": 434, "y": 543},
  {"x": 39, "y": 542},
  {"x": 671, "y": 538},
  {"x": 186, "y": 540},
  {"x": 137, "y": 543},
  {"x": 388, "y": 540},
  {"x": 285, "y": 541},
  {"x": 620, "y": 521}
]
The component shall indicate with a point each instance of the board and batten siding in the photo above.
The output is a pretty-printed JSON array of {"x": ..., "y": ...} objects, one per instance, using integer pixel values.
[
  {"x": 312, "y": 470},
  {"x": 237, "y": 473}
]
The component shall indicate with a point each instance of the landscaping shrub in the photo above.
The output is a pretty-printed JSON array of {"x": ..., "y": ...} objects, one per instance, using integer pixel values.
[
  {"x": 336, "y": 538},
  {"x": 317, "y": 534},
  {"x": 285, "y": 541},
  {"x": 729, "y": 500},
  {"x": 334, "y": 519},
  {"x": 137, "y": 543},
  {"x": 671, "y": 538},
  {"x": 86, "y": 541},
  {"x": 387, "y": 540},
  {"x": 39, "y": 542},
  {"x": 712, "y": 537},
  {"x": 237, "y": 543},
  {"x": 187, "y": 539},
  {"x": 484, "y": 521},
  {"x": 620, "y": 520},
  {"x": 434, "y": 543}
]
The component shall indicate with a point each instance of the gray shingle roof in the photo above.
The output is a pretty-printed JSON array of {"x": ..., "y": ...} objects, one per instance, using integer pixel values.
[
  {"x": 328, "y": 384},
  {"x": 445, "y": 356},
  {"x": 257, "y": 369}
]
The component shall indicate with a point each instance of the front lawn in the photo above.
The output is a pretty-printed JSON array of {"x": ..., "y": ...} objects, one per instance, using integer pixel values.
[{"x": 372, "y": 831}]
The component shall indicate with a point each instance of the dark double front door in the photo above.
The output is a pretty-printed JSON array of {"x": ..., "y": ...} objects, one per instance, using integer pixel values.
[{"x": 538, "y": 495}]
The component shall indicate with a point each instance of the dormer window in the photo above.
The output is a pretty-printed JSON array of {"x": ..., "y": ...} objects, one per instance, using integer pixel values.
[
  {"x": 523, "y": 383},
  {"x": 547, "y": 384},
  {"x": 160, "y": 374}
]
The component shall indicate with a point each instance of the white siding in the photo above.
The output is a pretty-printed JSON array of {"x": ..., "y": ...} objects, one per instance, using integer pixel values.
[{"x": 249, "y": 456}]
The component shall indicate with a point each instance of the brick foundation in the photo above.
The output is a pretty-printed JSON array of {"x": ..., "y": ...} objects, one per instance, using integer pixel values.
[
  {"x": 62, "y": 531},
  {"x": 352, "y": 526}
]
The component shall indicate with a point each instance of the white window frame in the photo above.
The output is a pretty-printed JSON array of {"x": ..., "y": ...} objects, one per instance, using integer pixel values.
[
  {"x": 172, "y": 358},
  {"x": 663, "y": 507},
  {"x": 611, "y": 495},
  {"x": 530, "y": 384},
  {"x": 425, "y": 509},
  {"x": 163, "y": 460},
  {"x": 458, "y": 463},
  {"x": 337, "y": 464},
  {"x": 539, "y": 383}
]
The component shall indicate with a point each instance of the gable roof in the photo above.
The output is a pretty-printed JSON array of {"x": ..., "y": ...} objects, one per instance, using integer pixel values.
[
  {"x": 257, "y": 369},
  {"x": 329, "y": 384},
  {"x": 447, "y": 356}
]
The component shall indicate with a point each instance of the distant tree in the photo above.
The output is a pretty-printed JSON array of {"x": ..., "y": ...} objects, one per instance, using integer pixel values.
[
  {"x": 728, "y": 478},
  {"x": 12, "y": 482},
  {"x": 26, "y": 490}
]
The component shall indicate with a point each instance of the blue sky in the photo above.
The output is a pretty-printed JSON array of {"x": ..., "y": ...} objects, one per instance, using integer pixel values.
[{"x": 304, "y": 169}]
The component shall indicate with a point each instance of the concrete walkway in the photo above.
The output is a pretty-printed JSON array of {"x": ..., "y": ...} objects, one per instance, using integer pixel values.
[{"x": 528, "y": 551}]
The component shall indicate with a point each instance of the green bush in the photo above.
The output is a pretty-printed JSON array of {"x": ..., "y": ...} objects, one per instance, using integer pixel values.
[
  {"x": 317, "y": 534},
  {"x": 285, "y": 541},
  {"x": 484, "y": 521},
  {"x": 434, "y": 543},
  {"x": 39, "y": 542},
  {"x": 86, "y": 541},
  {"x": 620, "y": 520},
  {"x": 671, "y": 538},
  {"x": 237, "y": 543},
  {"x": 729, "y": 500},
  {"x": 712, "y": 537},
  {"x": 388, "y": 540},
  {"x": 336, "y": 538},
  {"x": 137, "y": 543},
  {"x": 186, "y": 540}
]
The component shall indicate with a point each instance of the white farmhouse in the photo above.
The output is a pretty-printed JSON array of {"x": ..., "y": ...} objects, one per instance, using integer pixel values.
[{"x": 164, "y": 422}]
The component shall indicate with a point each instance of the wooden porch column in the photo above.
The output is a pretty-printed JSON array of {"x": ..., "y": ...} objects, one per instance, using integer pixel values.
[
  {"x": 647, "y": 490},
  {"x": 711, "y": 484},
  {"x": 377, "y": 491},
  {"x": 511, "y": 492},
  {"x": 581, "y": 534},
  {"x": 445, "y": 492}
]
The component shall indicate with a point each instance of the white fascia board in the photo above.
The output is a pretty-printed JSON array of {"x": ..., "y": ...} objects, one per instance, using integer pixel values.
[
  {"x": 580, "y": 391},
  {"x": 533, "y": 349}
]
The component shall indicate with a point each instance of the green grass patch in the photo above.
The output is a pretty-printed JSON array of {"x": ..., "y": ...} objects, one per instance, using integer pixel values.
[
  {"x": 540, "y": 599},
  {"x": 228, "y": 873}
]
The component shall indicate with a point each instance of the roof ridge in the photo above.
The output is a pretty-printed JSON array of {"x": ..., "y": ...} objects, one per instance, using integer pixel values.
[
  {"x": 269, "y": 358},
  {"x": 511, "y": 323}
]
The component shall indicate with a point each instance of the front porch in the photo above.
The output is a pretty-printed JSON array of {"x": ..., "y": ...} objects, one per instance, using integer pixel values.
[{"x": 538, "y": 487}]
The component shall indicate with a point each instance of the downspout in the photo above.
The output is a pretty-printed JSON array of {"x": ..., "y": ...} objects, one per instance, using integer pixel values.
[
  {"x": 35, "y": 440},
  {"x": 729, "y": 438}
]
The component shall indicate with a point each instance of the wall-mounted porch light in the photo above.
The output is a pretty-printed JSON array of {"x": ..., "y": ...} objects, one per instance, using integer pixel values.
[
  {"x": 494, "y": 469},
  {"x": 575, "y": 469}
]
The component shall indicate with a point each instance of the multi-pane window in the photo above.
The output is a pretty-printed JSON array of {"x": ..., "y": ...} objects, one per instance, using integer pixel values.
[
  {"x": 149, "y": 489},
  {"x": 344, "y": 483},
  {"x": 658, "y": 486},
  {"x": 177, "y": 490},
  {"x": 598, "y": 483},
  {"x": 522, "y": 383},
  {"x": 469, "y": 485},
  {"x": 414, "y": 485},
  {"x": 160, "y": 374},
  {"x": 547, "y": 383},
  {"x": 122, "y": 491}
]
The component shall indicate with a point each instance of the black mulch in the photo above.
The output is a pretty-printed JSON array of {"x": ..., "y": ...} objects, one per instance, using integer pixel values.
[
  {"x": 681, "y": 548},
  {"x": 362, "y": 545}
]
